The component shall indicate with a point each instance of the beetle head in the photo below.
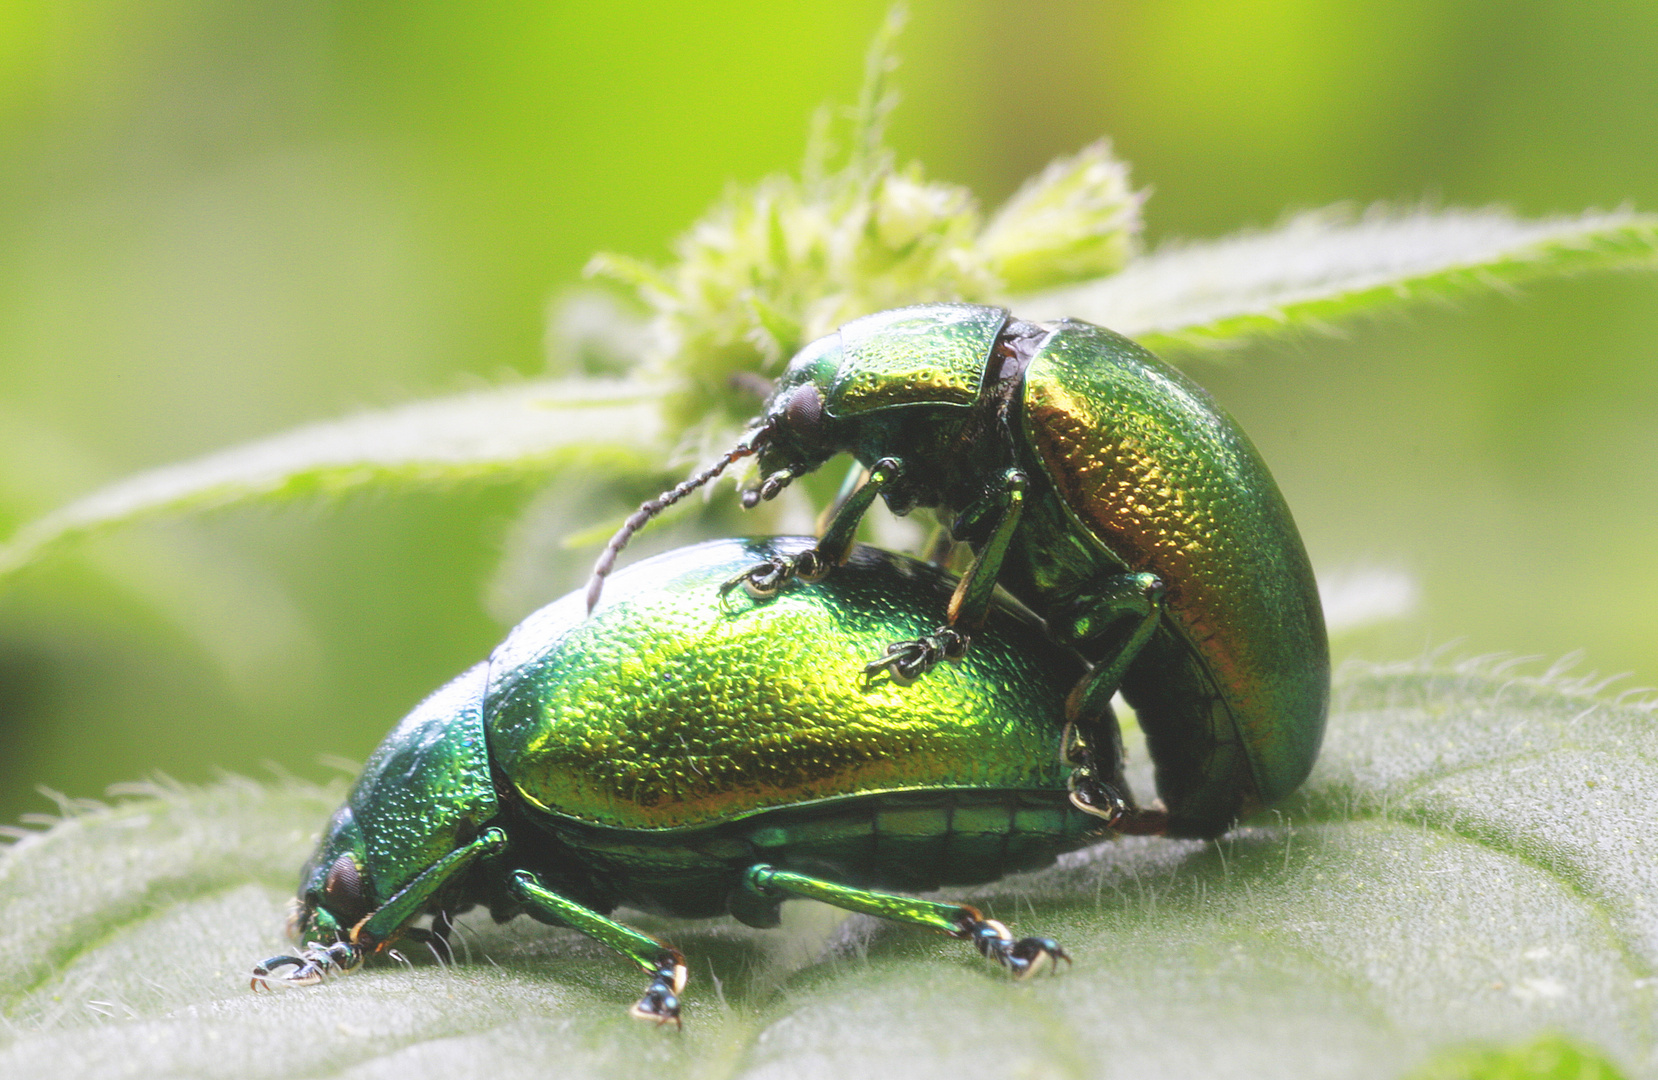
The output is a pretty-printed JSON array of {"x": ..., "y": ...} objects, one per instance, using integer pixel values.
[
  {"x": 334, "y": 886},
  {"x": 849, "y": 390},
  {"x": 333, "y": 899},
  {"x": 797, "y": 428},
  {"x": 872, "y": 385}
]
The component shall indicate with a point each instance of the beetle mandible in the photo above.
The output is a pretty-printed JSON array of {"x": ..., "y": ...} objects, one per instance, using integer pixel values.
[
  {"x": 1103, "y": 489},
  {"x": 682, "y": 759}
]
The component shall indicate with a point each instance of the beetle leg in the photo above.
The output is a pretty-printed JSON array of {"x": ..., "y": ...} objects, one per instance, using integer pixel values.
[
  {"x": 661, "y": 1000},
  {"x": 314, "y": 963},
  {"x": 856, "y": 477},
  {"x": 1006, "y": 501},
  {"x": 1023, "y": 957},
  {"x": 763, "y": 581},
  {"x": 1088, "y": 707},
  {"x": 835, "y": 543},
  {"x": 908, "y": 660},
  {"x": 665, "y": 966},
  {"x": 391, "y": 918}
]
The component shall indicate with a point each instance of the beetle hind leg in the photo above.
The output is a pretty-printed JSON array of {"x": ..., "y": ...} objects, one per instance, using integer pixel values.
[
  {"x": 1129, "y": 605},
  {"x": 1023, "y": 957}
]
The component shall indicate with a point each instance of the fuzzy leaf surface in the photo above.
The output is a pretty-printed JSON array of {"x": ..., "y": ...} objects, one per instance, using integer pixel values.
[
  {"x": 1470, "y": 864},
  {"x": 1327, "y": 266},
  {"x": 532, "y": 429}
]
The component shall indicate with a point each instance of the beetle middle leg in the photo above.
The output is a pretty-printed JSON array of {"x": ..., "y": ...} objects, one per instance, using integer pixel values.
[
  {"x": 665, "y": 965},
  {"x": 1001, "y": 507},
  {"x": 1023, "y": 957}
]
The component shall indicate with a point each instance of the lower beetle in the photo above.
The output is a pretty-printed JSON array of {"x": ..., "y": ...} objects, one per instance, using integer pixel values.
[
  {"x": 1104, "y": 490},
  {"x": 684, "y": 759}
]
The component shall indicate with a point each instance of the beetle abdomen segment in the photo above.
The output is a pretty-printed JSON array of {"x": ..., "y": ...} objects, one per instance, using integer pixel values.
[{"x": 913, "y": 841}]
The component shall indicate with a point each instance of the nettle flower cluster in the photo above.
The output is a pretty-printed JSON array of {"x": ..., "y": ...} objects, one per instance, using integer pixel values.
[{"x": 779, "y": 263}]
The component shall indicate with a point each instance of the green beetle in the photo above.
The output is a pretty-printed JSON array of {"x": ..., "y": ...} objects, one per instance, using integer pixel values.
[
  {"x": 684, "y": 759},
  {"x": 1104, "y": 490}
]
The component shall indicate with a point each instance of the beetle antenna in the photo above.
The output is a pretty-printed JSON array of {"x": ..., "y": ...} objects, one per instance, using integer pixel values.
[{"x": 653, "y": 507}]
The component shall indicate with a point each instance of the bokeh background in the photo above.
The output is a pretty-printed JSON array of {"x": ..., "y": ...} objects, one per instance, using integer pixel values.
[{"x": 221, "y": 218}]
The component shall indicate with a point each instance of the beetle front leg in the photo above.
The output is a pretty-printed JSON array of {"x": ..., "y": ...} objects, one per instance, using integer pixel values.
[
  {"x": 665, "y": 965},
  {"x": 1023, "y": 957},
  {"x": 764, "y": 580}
]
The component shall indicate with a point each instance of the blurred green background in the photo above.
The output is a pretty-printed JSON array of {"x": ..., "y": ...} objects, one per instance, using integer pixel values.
[{"x": 219, "y": 219}]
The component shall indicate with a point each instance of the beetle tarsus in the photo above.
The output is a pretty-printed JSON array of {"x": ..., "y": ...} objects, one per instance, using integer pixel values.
[
  {"x": 1023, "y": 957},
  {"x": 763, "y": 581},
  {"x": 907, "y": 661},
  {"x": 660, "y": 1004},
  {"x": 1094, "y": 796},
  {"x": 314, "y": 964},
  {"x": 265, "y": 971}
]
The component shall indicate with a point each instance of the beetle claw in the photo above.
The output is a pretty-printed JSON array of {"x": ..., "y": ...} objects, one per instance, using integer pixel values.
[
  {"x": 306, "y": 972},
  {"x": 661, "y": 1000},
  {"x": 1093, "y": 796},
  {"x": 314, "y": 964},
  {"x": 763, "y": 581},
  {"x": 907, "y": 661},
  {"x": 1023, "y": 957}
]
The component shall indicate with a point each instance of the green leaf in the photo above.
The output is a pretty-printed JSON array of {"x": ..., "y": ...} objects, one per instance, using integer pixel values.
[
  {"x": 1547, "y": 1058},
  {"x": 508, "y": 433},
  {"x": 1471, "y": 862},
  {"x": 1330, "y": 265}
]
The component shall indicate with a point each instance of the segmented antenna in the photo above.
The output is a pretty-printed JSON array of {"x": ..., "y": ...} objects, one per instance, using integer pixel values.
[{"x": 653, "y": 507}]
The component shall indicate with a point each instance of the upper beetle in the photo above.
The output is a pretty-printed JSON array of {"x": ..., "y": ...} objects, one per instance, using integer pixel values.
[{"x": 1103, "y": 489}]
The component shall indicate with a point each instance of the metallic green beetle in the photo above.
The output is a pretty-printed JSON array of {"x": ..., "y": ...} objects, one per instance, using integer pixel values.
[
  {"x": 684, "y": 759},
  {"x": 1104, "y": 490}
]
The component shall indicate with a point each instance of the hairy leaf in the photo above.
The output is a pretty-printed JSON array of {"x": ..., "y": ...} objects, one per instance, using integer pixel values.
[
  {"x": 1319, "y": 268},
  {"x": 1471, "y": 864},
  {"x": 508, "y": 433},
  {"x": 1313, "y": 271}
]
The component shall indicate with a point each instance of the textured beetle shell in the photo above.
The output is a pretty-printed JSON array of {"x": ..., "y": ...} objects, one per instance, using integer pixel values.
[
  {"x": 930, "y": 355},
  {"x": 653, "y": 752},
  {"x": 665, "y": 710},
  {"x": 1143, "y": 460},
  {"x": 426, "y": 787}
]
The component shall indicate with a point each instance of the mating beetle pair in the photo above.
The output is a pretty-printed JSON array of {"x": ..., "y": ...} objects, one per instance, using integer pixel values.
[
  {"x": 1106, "y": 492},
  {"x": 677, "y": 756}
]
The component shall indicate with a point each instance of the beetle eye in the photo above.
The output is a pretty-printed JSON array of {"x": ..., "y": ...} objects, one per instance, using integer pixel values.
[
  {"x": 805, "y": 410},
  {"x": 343, "y": 887}
]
